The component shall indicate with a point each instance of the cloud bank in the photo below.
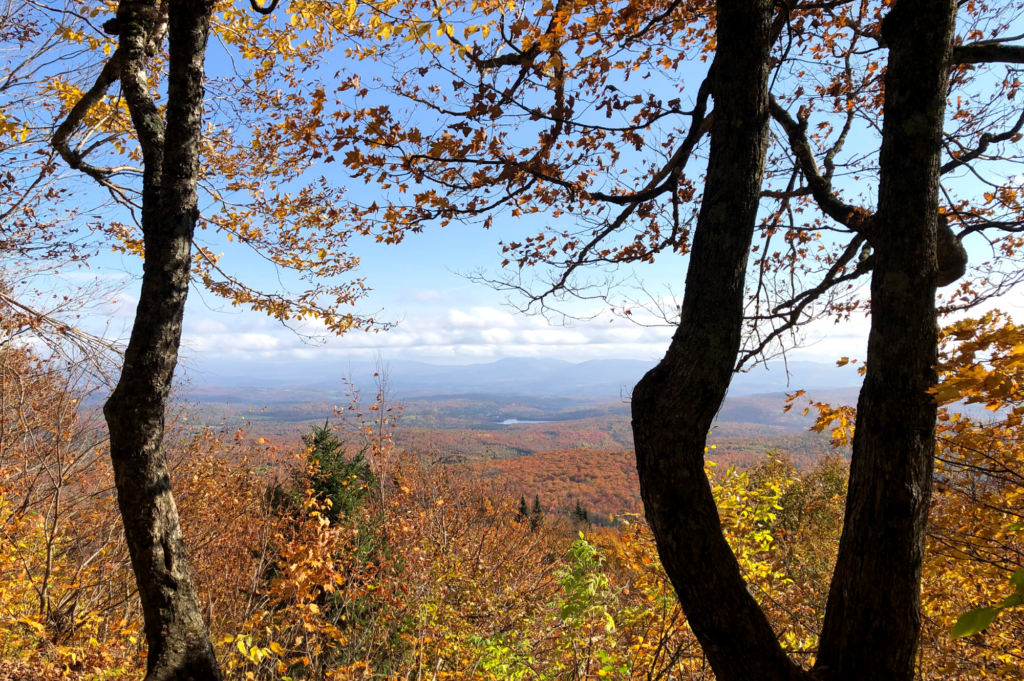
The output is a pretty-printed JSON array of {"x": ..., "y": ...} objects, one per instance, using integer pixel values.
[{"x": 471, "y": 334}]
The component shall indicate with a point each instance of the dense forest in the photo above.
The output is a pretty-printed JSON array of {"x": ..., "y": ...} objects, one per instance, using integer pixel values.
[
  {"x": 797, "y": 163},
  {"x": 350, "y": 556},
  {"x": 738, "y": 443}
]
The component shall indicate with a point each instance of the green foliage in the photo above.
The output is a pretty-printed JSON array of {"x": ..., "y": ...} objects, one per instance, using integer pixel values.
[
  {"x": 503, "y": 656},
  {"x": 979, "y": 619},
  {"x": 345, "y": 483},
  {"x": 580, "y": 513},
  {"x": 585, "y": 587},
  {"x": 536, "y": 514},
  {"x": 973, "y": 622},
  {"x": 585, "y": 605}
]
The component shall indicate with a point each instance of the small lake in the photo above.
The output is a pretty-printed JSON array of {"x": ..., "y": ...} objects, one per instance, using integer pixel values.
[{"x": 512, "y": 422}]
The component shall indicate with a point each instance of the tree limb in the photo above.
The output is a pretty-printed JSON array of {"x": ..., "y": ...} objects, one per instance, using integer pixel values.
[
  {"x": 988, "y": 53},
  {"x": 856, "y": 218},
  {"x": 109, "y": 75}
]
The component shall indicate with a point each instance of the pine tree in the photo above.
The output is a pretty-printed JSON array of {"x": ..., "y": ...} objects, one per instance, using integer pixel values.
[
  {"x": 537, "y": 514},
  {"x": 524, "y": 510},
  {"x": 345, "y": 482},
  {"x": 580, "y": 513}
]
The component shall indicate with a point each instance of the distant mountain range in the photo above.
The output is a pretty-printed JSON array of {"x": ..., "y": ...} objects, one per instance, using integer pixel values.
[{"x": 606, "y": 378}]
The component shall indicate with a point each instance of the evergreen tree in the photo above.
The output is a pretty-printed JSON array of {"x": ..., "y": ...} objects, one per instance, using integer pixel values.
[
  {"x": 346, "y": 482},
  {"x": 524, "y": 510},
  {"x": 580, "y": 513},
  {"x": 537, "y": 514}
]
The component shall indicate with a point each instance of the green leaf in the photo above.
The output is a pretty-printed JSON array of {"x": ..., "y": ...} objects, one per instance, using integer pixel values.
[
  {"x": 974, "y": 621},
  {"x": 1017, "y": 581},
  {"x": 1012, "y": 601}
]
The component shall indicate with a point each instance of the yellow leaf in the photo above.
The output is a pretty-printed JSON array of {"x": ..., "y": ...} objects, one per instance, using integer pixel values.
[{"x": 32, "y": 623}]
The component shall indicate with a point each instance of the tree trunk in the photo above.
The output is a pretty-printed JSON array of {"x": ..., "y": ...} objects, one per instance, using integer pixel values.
[
  {"x": 873, "y": 616},
  {"x": 179, "y": 644},
  {"x": 675, "y": 403}
]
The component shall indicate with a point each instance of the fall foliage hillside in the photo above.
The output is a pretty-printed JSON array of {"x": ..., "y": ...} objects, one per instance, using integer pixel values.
[
  {"x": 604, "y": 481},
  {"x": 351, "y": 558},
  {"x": 482, "y": 427}
]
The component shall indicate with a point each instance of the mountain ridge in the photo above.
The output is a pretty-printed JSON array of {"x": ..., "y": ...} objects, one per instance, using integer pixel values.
[{"x": 604, "y": 378}]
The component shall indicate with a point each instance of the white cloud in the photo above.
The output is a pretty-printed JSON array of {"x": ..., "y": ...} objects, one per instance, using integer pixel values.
[
  {"x": 497, "y": 336},
  {"x": 454, "y": 335},
  {"x": 825, "y": 341},
  {"x": 202, "y": 327},
  {"x": 483, "y": 333},
  {"x": 214, "y": 344},
  {"x": 121, "y": 305},
  {"x": 483, "y": 318}
]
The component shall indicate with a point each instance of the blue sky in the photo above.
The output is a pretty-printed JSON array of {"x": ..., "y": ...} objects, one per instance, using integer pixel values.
[{"x": 442, "y": 316}]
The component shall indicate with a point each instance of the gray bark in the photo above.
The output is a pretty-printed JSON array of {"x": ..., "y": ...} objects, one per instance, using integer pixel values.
[
  {"x": 179, "y": 644},
  {"x": 873, "y": 612},
  {"x": 873, "y": 619},
  {"x": 674, "y": 405}
]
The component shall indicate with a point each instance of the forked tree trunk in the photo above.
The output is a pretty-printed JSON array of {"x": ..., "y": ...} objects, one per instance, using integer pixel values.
[
  {"x": 674, "y": 405},
  {"x": 872, "y": 619},
  {"x": 179, "y": 644}
]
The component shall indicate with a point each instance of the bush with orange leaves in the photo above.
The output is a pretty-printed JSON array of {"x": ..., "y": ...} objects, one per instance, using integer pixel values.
[
  {"x": 67, "y": 592},
  {"x": 354, "y": 560},
  {"x": 61, "y": 595},
  {"x": 976, "y": 526}
]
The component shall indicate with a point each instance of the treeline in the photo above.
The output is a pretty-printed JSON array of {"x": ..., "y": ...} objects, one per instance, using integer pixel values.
[
  {"x": 604, "y": 481},
  {"x": 737, "y": 444}
]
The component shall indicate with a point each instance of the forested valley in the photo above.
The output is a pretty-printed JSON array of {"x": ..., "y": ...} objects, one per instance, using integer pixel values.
[{"x": 788, "y": 165}]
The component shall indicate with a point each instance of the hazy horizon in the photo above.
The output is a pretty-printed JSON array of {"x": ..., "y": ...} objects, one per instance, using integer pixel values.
[{"x": 505, "y": 376}]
